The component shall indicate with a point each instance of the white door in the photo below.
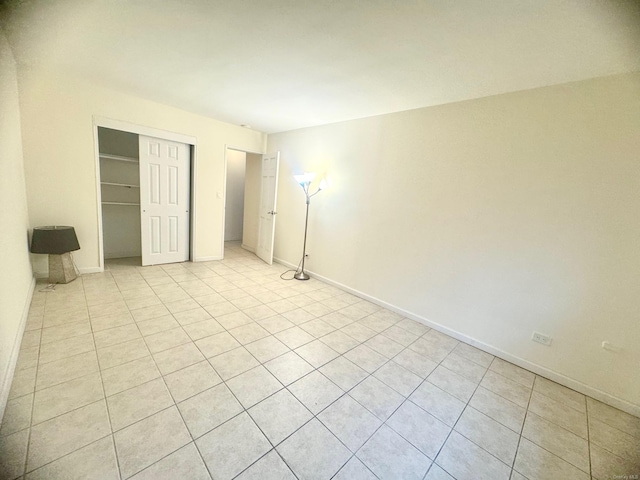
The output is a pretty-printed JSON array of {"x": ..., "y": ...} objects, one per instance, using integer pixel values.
[
  {"x": 268, "y": 197},
  {"x": 164, "y": 200}
]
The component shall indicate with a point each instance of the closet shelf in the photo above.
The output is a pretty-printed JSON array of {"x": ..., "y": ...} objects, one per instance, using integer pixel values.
[
  {"x": 119, "y": 158},
  {"x": 120, "y": 203},
  {"x": 120, "y": 184}
]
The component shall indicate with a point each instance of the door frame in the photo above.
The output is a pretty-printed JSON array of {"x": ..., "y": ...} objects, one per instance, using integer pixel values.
[
  {"x": 224, "y": 188},
  {"x": 191, "y": 141}
]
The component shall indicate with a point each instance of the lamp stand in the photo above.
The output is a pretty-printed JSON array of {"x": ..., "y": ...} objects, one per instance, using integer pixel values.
[
  {"x": 301, "y": 275},
  {"x": 61, "y": 269}
]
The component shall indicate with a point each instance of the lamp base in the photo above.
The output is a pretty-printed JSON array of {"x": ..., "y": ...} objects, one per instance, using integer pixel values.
[
  {"x": 301, "y": 276},
  {"x": 61, "y": 269}
]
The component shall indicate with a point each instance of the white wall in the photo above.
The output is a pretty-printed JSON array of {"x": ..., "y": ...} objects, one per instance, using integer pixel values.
[
  {"x": 493, "y": 218},
  {"x": 252, "y": 185},
  {"x": 16, "y": 278},
  {"x": 234, "y": 205},
  {"x": 60, "y": 165}
]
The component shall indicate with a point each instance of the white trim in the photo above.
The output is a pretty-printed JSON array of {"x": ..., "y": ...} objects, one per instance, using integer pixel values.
[
  {"x": 39, "y": 275},
  {"x": 208, "y": 259},
  {"x": 576, "y": 385},
  {"x": 86, "y": 270},
  {"x": 241, "y": 149},
  {"x": 192, "y": 202},
  {"x": 96, "y": 152},
  {"x": 5, "y": 388},
  {"x": 143, "y": 130},
  {"x": 224, "y": 201}
]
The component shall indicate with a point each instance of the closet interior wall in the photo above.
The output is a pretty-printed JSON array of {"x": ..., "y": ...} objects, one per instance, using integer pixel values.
[{"x": 120, "y": 191}]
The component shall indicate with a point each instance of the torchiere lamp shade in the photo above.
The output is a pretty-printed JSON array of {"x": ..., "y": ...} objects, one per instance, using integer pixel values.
[{"x": 54, "y": 240}]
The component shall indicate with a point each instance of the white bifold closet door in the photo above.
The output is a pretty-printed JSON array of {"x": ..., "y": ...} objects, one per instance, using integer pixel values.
[{"x": 164, "y": 200}]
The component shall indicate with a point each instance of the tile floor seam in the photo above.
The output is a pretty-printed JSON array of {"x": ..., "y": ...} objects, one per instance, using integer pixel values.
[
  {"x": 544, "y": 448},
  {"x": 524, "y": 421},
  {"x": 118, "y": 463},
  {"x": 27, "y": 472},
  {"x": 606, "y": 447},
  {"x": 383, "y": 423},
  {"x": 273, "y": 449},
  {"x": 554, "y": 454},
  {"x": 566, "y": 404},
  {"x": 453, "y": 428},
  {"x": 33, "y": 400},
  {"x": 184, "y": 274},
  {"x": 67, "y": 411},
  {"x": 60, "y": 359},
  {"x": 104, "y": 393}
]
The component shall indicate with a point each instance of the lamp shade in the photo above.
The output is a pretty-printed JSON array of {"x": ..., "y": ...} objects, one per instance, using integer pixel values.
[
  {"x": 307, "y": 178},
  {"x": 54, "y": 240}
]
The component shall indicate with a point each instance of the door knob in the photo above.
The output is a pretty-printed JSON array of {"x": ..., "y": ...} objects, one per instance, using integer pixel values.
[{"x": 272, "y": 213}]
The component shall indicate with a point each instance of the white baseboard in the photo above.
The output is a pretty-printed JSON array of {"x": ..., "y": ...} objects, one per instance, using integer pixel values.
[
  {"x": 85, "y": 270},
  {"x": 15, "y": 351},
  {"x": 207, "y": 259},
  {"x": 125, "y": 254},
  {"x": 521, "y": 362}
]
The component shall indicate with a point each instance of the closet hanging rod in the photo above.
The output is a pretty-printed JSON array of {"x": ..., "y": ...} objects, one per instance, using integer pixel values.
[{"x": 120, "y": 158}]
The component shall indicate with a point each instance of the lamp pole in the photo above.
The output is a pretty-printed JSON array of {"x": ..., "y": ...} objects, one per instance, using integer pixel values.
[
  {"x": 301, "y": 275},
  {"x": 305, "y": 181}
]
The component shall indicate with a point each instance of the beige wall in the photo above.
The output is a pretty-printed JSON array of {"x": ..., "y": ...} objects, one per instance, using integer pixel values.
[
  {"x": 251, "y": 201},
  {"x": 60, "y": 166},
  {"x": 234, "y": 195},
  {"x": 16, "y": 279},
  {"x": 492, "y": 218}
]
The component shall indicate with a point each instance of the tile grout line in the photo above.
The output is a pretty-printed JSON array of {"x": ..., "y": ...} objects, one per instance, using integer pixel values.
[
  {"x": 457, "y": 420},
  {"x": 173, "y": 405},
  {"x": 520, "y": 436},
  {"x": 318, "y": 368},
  {"x": 33, "y": 400},
  {"x": 104, "y": 392}
]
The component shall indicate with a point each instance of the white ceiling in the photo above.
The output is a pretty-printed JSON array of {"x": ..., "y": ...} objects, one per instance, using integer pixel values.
[{"x": 285, "y": 64}]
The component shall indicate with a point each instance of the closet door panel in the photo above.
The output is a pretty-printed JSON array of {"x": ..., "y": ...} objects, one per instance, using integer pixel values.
[{"x": 165, "y": 198}]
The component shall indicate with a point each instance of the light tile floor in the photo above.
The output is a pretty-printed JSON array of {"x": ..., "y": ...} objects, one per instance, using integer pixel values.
[{"x": 223, "y": 370}]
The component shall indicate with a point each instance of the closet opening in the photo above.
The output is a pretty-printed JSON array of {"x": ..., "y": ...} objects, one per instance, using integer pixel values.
[
  {"x": 120, "y": 192},
  {"x": 145, "y": 195}
]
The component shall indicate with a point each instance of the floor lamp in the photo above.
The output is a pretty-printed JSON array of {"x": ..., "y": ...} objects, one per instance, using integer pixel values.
[{"x": 305, "y": 181}]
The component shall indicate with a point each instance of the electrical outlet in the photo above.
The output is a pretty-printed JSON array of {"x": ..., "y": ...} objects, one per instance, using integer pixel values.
[{"x": 540, "y": 338}]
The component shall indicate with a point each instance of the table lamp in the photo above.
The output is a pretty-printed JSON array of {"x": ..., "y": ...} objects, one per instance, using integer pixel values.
[{"x": 57, "y": 242}]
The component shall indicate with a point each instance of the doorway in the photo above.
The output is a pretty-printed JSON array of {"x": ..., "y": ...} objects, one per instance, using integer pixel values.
[
  {"x": 242, "y": 198},
  {"x": 136, "y": 169}
]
